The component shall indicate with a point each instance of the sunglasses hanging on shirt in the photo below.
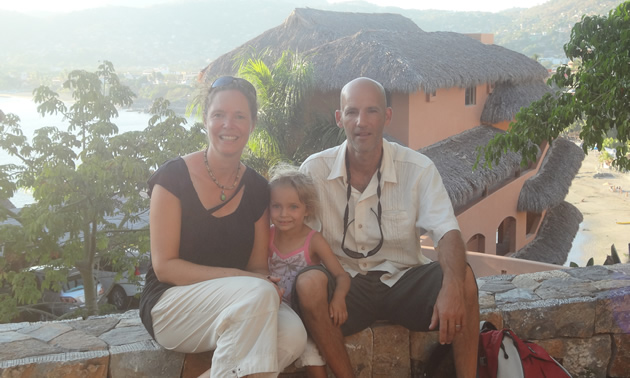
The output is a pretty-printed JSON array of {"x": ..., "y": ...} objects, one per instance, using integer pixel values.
[{"x": 348, "y": 251}]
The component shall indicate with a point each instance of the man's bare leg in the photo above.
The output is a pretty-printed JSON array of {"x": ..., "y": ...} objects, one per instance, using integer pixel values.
[
  {"x": 312, "y": 289},
  {"x": 465, "y": 343}
]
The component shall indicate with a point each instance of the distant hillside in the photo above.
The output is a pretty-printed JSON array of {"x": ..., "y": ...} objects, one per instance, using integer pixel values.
[
  {"x": 541, "y": 30},
  {"x": 188, "y": 35}
]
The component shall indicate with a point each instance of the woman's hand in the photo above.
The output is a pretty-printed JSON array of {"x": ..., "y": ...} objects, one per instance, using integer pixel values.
[{"x": 274, "y": 280}]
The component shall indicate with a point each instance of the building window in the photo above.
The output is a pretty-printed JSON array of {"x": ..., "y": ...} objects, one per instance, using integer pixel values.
[
  {"x": 431, "y": 96},
  {"x": 471, "y": 96}
]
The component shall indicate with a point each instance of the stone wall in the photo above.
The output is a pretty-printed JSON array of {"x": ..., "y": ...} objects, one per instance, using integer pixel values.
[{"x": 581, "y": 316}]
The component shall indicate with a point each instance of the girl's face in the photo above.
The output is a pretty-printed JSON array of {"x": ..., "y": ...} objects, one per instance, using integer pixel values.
[
  {"x": 229, "y": 122},
  {"x": 286, "y": 210}
]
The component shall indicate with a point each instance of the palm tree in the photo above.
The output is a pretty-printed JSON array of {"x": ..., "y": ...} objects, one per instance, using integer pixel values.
[
  {"x": 282, "y": 132},
  {"x": 281, "y": 89}
]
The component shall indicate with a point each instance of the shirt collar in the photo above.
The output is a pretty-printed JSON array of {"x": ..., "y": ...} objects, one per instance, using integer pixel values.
[
  {"x": 338, "y": 168},
  {"x": 388, "y": 172}
]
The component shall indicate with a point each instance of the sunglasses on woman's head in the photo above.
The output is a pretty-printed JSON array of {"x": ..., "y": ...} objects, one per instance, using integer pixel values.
[{"x": 243, "y": 84}]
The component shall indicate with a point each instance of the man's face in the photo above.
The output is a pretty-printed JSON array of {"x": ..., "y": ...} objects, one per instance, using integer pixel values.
[{"x": 363, "y": 116}]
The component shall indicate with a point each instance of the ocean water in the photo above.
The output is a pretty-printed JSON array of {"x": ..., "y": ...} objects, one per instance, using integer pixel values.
[{"x": 30, "y": 120}]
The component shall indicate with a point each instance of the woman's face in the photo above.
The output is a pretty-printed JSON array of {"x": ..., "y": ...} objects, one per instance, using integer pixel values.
[{"x": 229, "y": 122}]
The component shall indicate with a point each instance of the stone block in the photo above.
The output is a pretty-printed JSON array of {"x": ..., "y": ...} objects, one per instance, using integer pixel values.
[
  {"x": 421, "y": 344},
  {"x": 360, "y": 347},
  {"x": 130, "y": 322},
  {"x": 525, "y": 281},
  {"x": 46, "y": 331},
  {"x": 78, "y": 341},
  {"x": 613, "y": 312},
  {"x": 581, "y": 357},
  {"x": 13, "y": 326},
  {"x": 515, "y": 296},
  {"x": 500, "y": 277},
  {"x": 486, "y": 300},
  {"x": 546, "y": 275},
  {"x": 561, "y": 288},
  {"x": 94, "y": 326},
  {"x": 196, "y": 363},
  {"x": 64, "y": 365},
  {"x": 391, "y": 351},
  {"x": 126, "y": 335},
  {"x": 620, "y": 359},
  {"x": 552, "y": 319},
  {"x": 497, "y": 286},
  {"x": 11, "y": 337},
  {"x": 493, "y": 317},
  {"x": 621, "y": 268},
  {"x": 25, "y": 348},
  {"x": 590, "y": 273},
  {"x": 611, "y": 284},
  {"x": 145, "y": 359}
]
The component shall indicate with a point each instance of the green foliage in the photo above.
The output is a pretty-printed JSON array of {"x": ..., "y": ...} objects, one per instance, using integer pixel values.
[
  {"x": 611, "y": 259},
  {"x": 613, "y": 143},
  {"x": 601, "y": 94},
  {"x": 590, "y": 262},
  {"x": 281, "y": 89},
  {"x": 614, "y": 256},
  {"x": 88, "y": 183},
  {"x": 285, "y": 131},
  {"x": 605, "y": 157},
  {"x": 320, "y": 135}
]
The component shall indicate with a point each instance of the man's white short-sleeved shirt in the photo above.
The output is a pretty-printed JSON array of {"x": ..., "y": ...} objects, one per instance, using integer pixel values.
[{"x": 413, "y": 199}]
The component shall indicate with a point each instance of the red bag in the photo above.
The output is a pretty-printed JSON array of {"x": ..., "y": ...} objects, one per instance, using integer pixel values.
[{"x": 502, "y": 354}]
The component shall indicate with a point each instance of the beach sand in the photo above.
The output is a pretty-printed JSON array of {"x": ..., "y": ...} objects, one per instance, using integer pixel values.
[{"x": 601, "y": 207}]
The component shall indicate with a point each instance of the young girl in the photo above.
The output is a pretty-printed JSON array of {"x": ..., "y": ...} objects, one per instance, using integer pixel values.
[{"x": 293, "y": 246}]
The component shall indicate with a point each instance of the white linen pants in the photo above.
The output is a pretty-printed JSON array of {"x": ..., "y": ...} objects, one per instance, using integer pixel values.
[{"x": 240, "y": 318}]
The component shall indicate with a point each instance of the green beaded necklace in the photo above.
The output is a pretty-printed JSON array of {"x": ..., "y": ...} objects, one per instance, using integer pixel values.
[{"x": 222, "y": 187}]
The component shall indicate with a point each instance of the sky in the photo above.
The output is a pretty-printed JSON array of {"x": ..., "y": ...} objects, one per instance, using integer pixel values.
[
  {"x": 459, "y": 5},
  {"x": 456, "y": 5}
]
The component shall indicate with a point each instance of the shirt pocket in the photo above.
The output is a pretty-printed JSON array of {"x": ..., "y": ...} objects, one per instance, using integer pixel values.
[{"x": 397, "y": 230}]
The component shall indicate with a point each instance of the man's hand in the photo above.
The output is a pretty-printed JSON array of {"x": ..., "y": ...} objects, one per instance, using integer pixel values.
[
  {"x": 337, "y": 311},
  {"x": 449, "y": 311}
]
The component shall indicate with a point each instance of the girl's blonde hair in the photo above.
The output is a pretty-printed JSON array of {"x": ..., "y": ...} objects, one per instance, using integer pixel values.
[{"x": 284, "y": 174}]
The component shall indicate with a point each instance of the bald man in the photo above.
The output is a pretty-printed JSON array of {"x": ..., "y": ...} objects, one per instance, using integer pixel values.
[{"x": 378, "y": 198}]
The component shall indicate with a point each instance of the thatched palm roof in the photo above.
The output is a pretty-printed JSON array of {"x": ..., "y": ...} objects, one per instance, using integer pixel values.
[
  {"x": 550, "y": 185},
  {"x": 306, "y": 29},
  {"x": 411, "y": 61},
  {"x": 454, "y": 158},
  {"x": 388, "y": 48},
  {"x": 507, "y": 99},
  {"x": 555, "y": 236}
]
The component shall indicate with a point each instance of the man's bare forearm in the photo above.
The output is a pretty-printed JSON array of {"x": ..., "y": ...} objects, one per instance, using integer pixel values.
[{"x": 452, "y": 256}]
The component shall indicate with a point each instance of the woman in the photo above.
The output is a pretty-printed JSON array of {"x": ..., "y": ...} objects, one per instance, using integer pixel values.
[{"x": 209, "y": 286}]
